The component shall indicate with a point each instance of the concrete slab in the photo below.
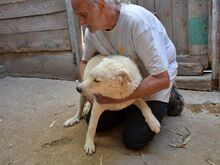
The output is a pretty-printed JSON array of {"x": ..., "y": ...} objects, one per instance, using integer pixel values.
[
  {"x": 29, "y": 106},
  {"x": 199, "y": 83}
]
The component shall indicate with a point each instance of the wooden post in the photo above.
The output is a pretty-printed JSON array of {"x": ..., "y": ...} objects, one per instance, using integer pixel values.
[
  {"x": 218, "y": 42},
  {"x": 215, "y": 44},
  {"x": 75, "y": 41}
]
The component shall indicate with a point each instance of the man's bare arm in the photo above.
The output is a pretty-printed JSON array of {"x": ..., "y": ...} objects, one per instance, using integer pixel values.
[{"x": 151, "y": 85}]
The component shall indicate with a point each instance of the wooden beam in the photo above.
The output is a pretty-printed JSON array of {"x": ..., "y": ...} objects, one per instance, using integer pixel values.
[
  {"x": 203, "y": 60},
  {"x": 210, "y": 31},
  {"x": 190, "y": 69},
  {"x": 56, "y": 40},
  {"x": 3, "y": 2},
  {"x": 53, "y": 21},
  {"x": 215, "y": 42},
  {"x": 56, "y": 65},
  {"x": 30, "y": 8},
  {"x": 218, "y": 42}
]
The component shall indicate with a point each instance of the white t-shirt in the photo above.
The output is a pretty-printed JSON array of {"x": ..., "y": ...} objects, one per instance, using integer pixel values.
[{"x": 139, "y": 35}]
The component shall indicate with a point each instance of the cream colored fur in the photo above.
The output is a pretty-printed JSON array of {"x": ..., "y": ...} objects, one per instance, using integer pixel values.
[{"x": 116, "y": 77}]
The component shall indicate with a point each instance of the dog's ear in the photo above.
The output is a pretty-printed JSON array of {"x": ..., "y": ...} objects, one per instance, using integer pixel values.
[{"x": 123, "y": 76}]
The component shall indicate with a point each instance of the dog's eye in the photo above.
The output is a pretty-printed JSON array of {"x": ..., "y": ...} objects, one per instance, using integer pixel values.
[{"x": 96, "y": 80}]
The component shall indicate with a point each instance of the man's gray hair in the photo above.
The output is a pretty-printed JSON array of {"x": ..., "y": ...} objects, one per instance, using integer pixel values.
[{"x": 113, "y": 1}]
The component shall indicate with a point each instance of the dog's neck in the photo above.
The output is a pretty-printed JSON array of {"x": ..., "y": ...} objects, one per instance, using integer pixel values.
[{"x": 122, "y": 93}]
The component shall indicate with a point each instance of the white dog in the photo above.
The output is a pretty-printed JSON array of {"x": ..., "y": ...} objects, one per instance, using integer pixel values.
[{"x": 116, "y": 77}]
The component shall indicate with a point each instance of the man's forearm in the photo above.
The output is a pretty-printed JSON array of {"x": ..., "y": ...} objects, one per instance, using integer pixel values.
[{"x": 151, "y": 85}]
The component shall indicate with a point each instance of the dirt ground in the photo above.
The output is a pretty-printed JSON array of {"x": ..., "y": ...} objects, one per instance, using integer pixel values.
[{"x": 32, "y": 113}]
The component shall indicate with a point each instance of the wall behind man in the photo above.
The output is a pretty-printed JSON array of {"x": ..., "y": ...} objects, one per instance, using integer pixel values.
[{"x": 35, "y": 40}]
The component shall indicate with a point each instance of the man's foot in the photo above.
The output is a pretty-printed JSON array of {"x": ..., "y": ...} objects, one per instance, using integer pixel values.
[{"x": 176, "y": 103}]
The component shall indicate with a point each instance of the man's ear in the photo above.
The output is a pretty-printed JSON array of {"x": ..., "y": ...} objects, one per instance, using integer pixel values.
[{"x": 123, "y": 76}]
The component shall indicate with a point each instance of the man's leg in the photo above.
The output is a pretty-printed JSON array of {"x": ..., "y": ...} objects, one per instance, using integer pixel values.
[
  {"x": 136, "y": 133},
  {"x": 108, "y": 119},
  {"x": 176, "y": 102}
]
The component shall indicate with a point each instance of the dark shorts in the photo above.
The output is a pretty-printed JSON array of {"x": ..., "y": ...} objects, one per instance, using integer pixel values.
[{"x": 136, "y": 133}]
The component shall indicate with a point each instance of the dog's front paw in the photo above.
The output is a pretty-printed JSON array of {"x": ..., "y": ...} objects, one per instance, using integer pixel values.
[
  {"x": 72, "y": 121},
  {"x": 154, "y": 124},
  {"x": 89, "y": 148}
]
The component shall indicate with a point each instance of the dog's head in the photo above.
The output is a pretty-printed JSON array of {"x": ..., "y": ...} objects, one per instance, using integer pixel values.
[{"x": 110, "y": 79}]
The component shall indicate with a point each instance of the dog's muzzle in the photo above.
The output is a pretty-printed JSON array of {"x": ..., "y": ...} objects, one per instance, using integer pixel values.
[{"x": 79, "y": 89}]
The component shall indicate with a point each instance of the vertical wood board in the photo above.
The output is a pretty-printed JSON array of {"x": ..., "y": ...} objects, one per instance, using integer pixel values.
[
  {"x": 73, "y": 35},
  {"x": 164, "y": 13},
  {"x": 198, "y": 27},
  {"x": 179, "y": 25},
  {"x": 133, "y": 1},
  {"x": 148, "y": 4}
]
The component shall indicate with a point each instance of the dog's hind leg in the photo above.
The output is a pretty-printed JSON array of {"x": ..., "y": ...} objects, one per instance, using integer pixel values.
[
  {"x": 95, "y": 114},
  {"x": 150, "y": 119},
  {"x": 75, "y": 119}
]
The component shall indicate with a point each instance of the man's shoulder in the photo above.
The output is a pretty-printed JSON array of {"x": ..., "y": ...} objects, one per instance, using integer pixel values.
[
  {"x": 135, "y": 10},
  {"x": 136, "y": 15}
]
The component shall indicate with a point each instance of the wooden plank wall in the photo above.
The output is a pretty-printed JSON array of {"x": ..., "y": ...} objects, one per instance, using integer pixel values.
[{"x": 35, "y": 28}]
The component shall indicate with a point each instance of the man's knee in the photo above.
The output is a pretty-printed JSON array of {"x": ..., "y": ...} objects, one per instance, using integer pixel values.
[{"x": 137, "y": 142}]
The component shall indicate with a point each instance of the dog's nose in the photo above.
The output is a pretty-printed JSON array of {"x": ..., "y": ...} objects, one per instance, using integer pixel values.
[{"x": 79, "y": 89}]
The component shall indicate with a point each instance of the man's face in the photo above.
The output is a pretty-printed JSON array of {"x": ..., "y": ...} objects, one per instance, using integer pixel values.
[{"x": 89, "y": 14}]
